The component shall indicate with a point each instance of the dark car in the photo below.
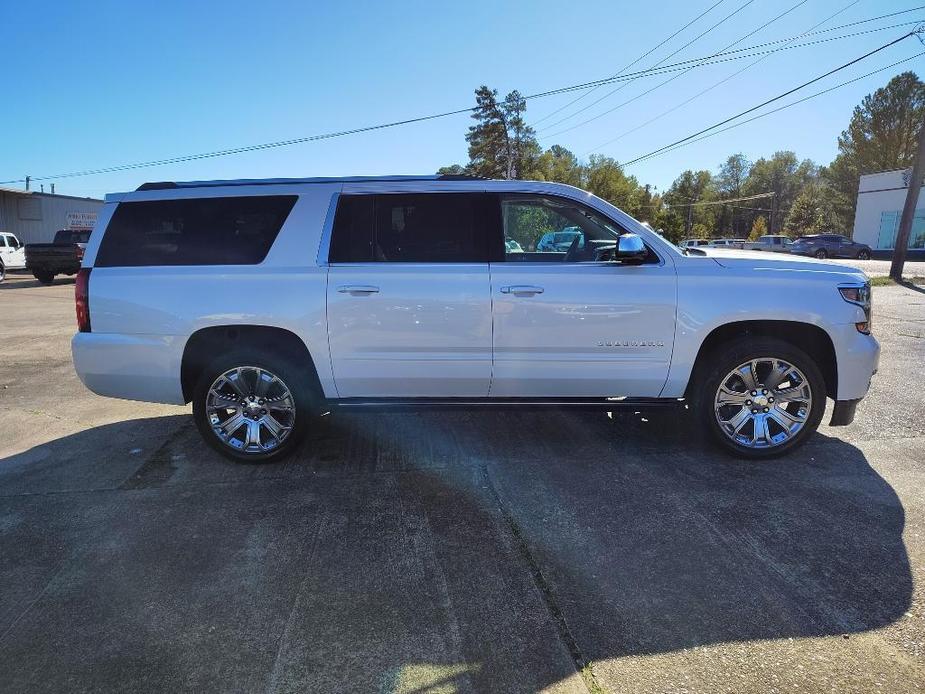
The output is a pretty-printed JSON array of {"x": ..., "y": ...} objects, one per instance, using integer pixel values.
[
  {"x": 62, "y": 257},
  {"x": 830, "y": 246}
]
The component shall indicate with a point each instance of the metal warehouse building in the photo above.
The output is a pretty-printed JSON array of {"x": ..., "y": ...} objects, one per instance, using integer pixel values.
[
  {"x": 35, "y": 217},
  {"x": 881, "y": 197}
]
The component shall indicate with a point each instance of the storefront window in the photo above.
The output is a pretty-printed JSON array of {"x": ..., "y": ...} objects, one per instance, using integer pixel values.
[{"x": 889, "y": 225}]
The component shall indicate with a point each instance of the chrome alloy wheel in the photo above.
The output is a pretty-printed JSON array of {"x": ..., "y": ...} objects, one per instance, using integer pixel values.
[
  {"x": 250, "y": 409},
  {"x": 763, "y": 403}
]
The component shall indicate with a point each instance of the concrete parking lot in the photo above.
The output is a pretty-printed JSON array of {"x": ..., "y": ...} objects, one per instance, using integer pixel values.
[
  {"x": 881, "y": 268},
  {"x": 441, "y": 552}
]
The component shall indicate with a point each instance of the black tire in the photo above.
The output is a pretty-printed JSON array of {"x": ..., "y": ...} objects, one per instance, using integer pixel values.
[
  {"x": 44, "y": 277},
  {"x": 294, "y": 378},
  {"x": 718, "y": 364},
  {"x": 2, "y": 271},
  {"x": 821, "y": 254},
  {"x": 863, "y": 255}
]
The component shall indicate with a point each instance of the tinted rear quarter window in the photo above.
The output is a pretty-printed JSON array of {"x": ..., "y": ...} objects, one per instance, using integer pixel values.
[
  {"x": 416, "y": 228},
  {"x": 197, "y": 231}
]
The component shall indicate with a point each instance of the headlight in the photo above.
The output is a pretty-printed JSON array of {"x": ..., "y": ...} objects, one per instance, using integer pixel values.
[{"x": 859, "y": 295}]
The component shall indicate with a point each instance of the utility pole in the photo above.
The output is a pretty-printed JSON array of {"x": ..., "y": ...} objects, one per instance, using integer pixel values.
[
  {"x": 905, "y": 222},
  {"x": 773, "y": 208},
  {"x": 28, "y": 178}
]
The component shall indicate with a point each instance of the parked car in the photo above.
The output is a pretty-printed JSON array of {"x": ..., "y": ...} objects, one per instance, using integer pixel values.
[
  {"x": 558, "y": 241},
  {"x": 12, "y": 255},
  {"x": 830, "y": 246},
  {"x": 61, "y": 257},
  {"x": 267, "y": 302},
  {"x": 511, "y": 246},
  {"x": 772, "y": 242},
  {"x": 727, "y": 243},
  {"x": 694, "y": 243}
]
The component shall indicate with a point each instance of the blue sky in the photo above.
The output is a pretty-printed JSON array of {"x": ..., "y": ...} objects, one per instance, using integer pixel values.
[{"x": 97, "y": 84}]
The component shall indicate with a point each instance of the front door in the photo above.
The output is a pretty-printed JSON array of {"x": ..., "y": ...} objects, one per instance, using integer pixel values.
[
  {"x": 409, "y": 305},
  {"x": 566, "y": 325}
]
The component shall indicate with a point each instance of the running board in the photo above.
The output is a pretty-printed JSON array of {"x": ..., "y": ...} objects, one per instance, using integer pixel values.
[{"x": 500, "y": 403}]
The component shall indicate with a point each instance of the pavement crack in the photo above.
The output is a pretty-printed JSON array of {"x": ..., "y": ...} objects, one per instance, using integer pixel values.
[{"x": 581, "y": 663}]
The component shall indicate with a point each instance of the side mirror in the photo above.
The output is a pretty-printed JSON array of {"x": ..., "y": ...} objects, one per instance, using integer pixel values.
[{"x": 631, "y": 249}]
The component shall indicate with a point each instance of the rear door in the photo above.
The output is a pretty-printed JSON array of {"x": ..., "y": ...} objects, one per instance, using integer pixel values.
[
  {"x": 409, "y": 305},
  {"x": 566, "y": 325}
]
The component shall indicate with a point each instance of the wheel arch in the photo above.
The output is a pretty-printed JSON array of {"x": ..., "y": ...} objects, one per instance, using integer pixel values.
[
  {"x": 202, "y": 346},
  {"x": 810, "y": 338}
]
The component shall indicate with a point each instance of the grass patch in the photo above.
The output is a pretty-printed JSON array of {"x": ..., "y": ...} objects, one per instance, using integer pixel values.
[{"x": 888, "y": 282}]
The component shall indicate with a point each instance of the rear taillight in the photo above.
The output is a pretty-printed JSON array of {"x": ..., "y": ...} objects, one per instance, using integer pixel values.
[
  {"x": 82, "y": 299},
  {"x": 80, "y": 253}
]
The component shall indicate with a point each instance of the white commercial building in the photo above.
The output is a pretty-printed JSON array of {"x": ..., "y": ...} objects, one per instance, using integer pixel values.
[
  {"x": 34, "y": 217},
  {"x": 881, "y": 197}
]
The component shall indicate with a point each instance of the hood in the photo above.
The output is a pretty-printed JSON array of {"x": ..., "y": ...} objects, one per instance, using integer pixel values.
[{"x": 765, "y": 260}]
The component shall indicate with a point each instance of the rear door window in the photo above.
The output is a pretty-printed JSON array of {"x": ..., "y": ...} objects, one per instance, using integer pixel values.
[
  {"x": 415, "y": 228},
  {"x": 197, "y": 231}
]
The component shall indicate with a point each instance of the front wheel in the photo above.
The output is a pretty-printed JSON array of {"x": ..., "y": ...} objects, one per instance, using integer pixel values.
[
  {"x": 2, "y": 271},
  {"x": 252, "y": 407},
  {"x": 821, "y": 254},
  {"x": 760, "y": 397},
  {"x": 863, "y": 255}
]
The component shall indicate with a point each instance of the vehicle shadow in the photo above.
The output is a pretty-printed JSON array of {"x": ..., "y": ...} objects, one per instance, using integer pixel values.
[
  {"x": 403, "y": 551},
  {"x": 19, "y": 281}
]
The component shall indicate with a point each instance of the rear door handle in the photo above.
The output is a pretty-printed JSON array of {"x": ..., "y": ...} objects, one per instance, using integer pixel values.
[
  {"x": 522, "y": 290},
  {"x": 358, "y": 289}
]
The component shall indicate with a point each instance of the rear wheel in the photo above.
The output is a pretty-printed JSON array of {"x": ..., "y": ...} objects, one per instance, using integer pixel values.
[
  {"x": 252, "y": 407},
  {"x": 44, "y": 277},
  {"x": 821, "y": 253},
  {"x": 760, "y": 397},
  {"x": 863, "y": 255}
]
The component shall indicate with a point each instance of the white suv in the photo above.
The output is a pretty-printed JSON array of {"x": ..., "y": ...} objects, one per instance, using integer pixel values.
[
  {"x": 266, "y": 302},
  {"x": 12, "y": 254}
]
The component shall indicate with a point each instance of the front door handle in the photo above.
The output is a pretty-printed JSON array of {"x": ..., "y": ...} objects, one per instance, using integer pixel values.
[
  {"x": 522, "y": 290},
  {"x": 358, "y": 289}
]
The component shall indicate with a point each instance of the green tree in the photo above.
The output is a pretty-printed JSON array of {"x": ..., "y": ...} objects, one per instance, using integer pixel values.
[
  {"x": 452, "y": 170},
  {"x": 785, "y": 176},
  {"x": 605, "y": 178},
  {"x": 759, "y": 228},
  {"x": 810, "y": 213},
  {"x": 689, "y": 187},
  {"x": 560, "y": 165},
  {"x": 501, "y": 144},
  {"x": 881, "y": 136},
  {"x": 729, "y": 183}
]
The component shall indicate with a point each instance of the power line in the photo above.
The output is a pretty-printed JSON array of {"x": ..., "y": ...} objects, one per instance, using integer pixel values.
[
  {"x": 629, "y": 65},
  {"x": 352, "y": 131},
  {"x": 773, "y": 99},
  {"x": 729, "y": 59},
  {"x": 661, "y": 84},
  {"x": 788, "y": 45},
  {"x": 735, "y": 74},
  {"x": 794, "y": 103},
  {"x": 381, "y": 126},
  {"x": 707, "y": 203},
  {"x": 670, "y": 55},
  {"x": 715, "y": 59}
]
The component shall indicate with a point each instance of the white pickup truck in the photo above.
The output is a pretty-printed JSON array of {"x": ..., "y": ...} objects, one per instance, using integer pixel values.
[{"x": 265, "y": 302}]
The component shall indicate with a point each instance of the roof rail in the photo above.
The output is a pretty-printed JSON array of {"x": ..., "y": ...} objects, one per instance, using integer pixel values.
[
  {"x": 158, "y": 185},
  {"x": 461, "y": 177},
  {"x": 168, "y": 185}
]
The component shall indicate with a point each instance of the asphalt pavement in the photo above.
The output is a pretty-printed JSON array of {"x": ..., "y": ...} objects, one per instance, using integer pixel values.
[{"x": 441, "y": 552}]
